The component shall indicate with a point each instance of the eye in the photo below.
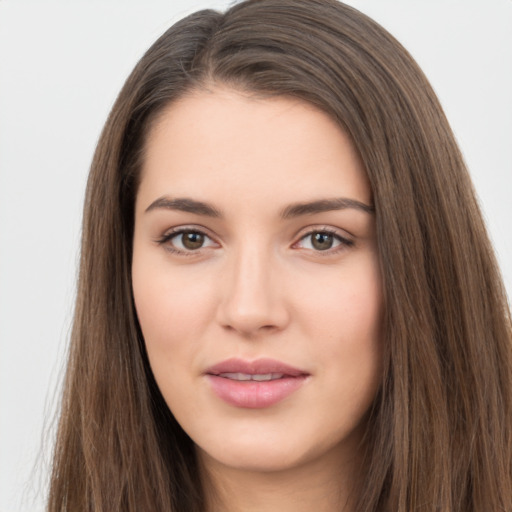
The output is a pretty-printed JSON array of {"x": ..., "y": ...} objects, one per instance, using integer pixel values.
[
  {"x": 323, "y": 240},
  {"x": 186, "y": 240}
]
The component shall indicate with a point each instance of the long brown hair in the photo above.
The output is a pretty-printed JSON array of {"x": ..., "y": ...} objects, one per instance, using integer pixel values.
[{"x": 440, "y": 431}]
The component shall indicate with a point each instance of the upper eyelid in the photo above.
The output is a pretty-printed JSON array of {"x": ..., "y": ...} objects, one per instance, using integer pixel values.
[
  {"x": 192, "y": 227},
  {"x": 322, "y": 228},
  {"x": 342, "y": 239}
]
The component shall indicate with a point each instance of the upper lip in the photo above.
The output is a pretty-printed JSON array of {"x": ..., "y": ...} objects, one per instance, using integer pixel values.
[{"x": 256, "y": 367}]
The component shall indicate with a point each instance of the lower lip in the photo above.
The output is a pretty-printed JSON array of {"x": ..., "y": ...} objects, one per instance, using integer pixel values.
[{"x": 252, "y": 394}]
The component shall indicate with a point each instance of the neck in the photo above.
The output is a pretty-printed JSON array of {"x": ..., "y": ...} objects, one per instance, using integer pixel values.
[{"x": 322, "y": 485}]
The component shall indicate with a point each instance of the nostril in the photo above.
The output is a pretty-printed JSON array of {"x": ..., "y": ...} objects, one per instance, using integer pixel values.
[{"x": 250, "y": 330}]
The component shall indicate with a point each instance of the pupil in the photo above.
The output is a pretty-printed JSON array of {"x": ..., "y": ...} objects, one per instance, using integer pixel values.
[
  {"x": 192, "y": 240},
  {"x": 322, "y": 241}
]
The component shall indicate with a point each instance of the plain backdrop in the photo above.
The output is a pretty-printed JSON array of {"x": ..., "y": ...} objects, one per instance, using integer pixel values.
[{"x": 61, "y": 66}]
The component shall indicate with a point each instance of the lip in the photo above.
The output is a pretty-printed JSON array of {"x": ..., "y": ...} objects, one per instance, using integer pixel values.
[{"x": 253, "y": 394}]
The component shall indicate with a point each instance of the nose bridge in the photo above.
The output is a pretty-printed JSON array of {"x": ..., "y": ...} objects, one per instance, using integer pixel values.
[{"x": 251, "y": 299}]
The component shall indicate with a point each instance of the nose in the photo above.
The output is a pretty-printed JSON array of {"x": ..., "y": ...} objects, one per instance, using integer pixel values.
[{"x": 252, "y": 294}]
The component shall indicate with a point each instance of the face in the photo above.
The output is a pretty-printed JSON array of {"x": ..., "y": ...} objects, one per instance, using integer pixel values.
[{"x": 256, "y": 279}]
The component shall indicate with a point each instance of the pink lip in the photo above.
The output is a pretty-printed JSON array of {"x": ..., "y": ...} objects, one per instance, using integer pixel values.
[{"x": 254, "y": 394}]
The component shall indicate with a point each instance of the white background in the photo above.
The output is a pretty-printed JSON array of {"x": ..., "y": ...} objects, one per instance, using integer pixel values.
[{"x": 61, "y": 66}]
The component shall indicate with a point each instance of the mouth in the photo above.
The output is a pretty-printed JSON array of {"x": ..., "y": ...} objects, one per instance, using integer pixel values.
[
  {"x": 254, "y": 384},
  {"x": 258, "y": 377}
]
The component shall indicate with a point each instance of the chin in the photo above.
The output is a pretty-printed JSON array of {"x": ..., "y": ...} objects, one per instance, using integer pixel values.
[
  {"x": 274, "y": 450},
  {"x": 254, "y": 456}
]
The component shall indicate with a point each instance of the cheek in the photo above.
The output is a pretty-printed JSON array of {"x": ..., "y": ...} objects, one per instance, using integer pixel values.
[
  {"x": 172, "y": 308},
  {"x": 171, "y": 313},
  {"x": 344, "y": 302},
  {"x": 342, "y": 314}
]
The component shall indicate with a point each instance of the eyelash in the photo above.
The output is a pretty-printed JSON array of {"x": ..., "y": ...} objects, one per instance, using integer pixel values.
[
  {"x": 167, "y": 238},
  {"x": 344, "y": 243}
]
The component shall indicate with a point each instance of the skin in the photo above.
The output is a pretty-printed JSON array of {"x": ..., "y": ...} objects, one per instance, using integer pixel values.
[{"x": 259, "y": 287}]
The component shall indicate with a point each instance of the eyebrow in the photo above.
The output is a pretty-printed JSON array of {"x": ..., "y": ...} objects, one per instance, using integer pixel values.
[
  {"x": 325, "y": 205},
  {"x": 184, "y": 204},
  {"x": 188, "y": 205}
]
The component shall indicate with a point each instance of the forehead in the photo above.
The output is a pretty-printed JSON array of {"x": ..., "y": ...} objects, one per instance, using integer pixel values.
[{"x": 227, "y": 144}]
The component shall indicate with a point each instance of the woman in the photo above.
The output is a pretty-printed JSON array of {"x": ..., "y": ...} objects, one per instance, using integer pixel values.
[{"x": 287, "y": 296}]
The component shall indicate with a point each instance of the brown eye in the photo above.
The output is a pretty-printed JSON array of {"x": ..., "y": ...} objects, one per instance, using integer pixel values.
[
  {"x": 192, "y": 240},
  {"x": 185, "y": 241},
  {"x": 322, "y": 241}
]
